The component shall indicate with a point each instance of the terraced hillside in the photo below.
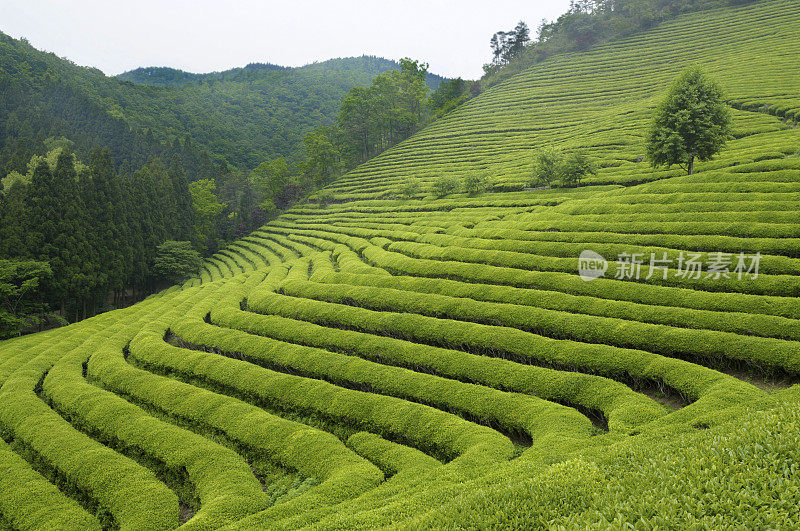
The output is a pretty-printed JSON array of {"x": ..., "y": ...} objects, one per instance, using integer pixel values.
[{"x": 439, "y": 362}]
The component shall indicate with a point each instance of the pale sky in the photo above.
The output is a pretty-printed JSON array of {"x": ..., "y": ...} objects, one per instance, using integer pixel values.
[{"x": 204, "y": 35}]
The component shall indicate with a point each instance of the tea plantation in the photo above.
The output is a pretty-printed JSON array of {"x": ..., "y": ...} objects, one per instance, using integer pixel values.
[{"x": 438, "y": 361}]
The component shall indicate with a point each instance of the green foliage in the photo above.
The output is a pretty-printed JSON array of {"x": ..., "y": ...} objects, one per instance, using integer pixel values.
[
  {"x": 410, "y": 188},
  {"x": 692, "y": 122},
  {"x": 475, "y": 183},
  {"x": 207, "y": 209},
  {"x": 324, "y": 159},
  {"x": 58, "y": 229},
  {"x": 438, "y": 362},
  {"x": 448, "y": 96},
  {"x": 21, "y": 284},
  {"x": 176, "y": 261},
  {"x": 552, "y": 166},
  {"x": 586, "y": 24},
  {"x": 654, "y": 486},
  {"x": 507, "y": 45},
  {"x": 374, "y": 118},
  {"x": 446, "y": 184},
  {"x": 245, "y": 115},
  {"x": 574, "y": 168},
  {"x": 324, "y": 198},
  {"x": 546, "y": 166}
]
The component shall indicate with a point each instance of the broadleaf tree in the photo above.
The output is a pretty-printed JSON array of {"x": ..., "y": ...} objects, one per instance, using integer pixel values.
[{"x": 691, "y": 123}]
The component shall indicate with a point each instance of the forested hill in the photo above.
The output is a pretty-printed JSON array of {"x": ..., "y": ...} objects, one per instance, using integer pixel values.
[
  {"x": 244, "y": 116},
  {"x": 172, "y": 77}
]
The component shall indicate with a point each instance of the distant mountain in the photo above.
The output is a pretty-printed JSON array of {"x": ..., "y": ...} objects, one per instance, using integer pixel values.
[
  {"x": 162, "y": 76},
  {"x": 244, "y": 115}
]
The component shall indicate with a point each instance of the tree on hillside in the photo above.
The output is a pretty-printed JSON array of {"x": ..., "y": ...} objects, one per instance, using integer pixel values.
[
  {"x": 57, "y": 228},
  {"x": 448, "y": 96},
  {"x": 102, "y": 199},
  {"x": 446, "y": 184},
  {"x": 356, "y": 119},
  {"x": 176, "y": 261},
  {"x": 207, "y": 209},
  {"x": 324, "y": 157},
  {"x": 20, "y": 286},
  {"x": 184, "y": 214},
  {"x": 551, "y": 167},
  {"x": 507, "y": 45},
  {"x": 413, "y": 88},
  {"x": 546, "y": 166},
  {"x": 692, "y": 122},
  {"x": 13, "y": 220}
]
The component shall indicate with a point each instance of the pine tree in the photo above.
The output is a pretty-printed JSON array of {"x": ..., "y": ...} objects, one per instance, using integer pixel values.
[
  {"x": 57, "y": 228},
  {"x": 104, "y": 208},
  {"x": 184, "y": 213},
  {"x": 13, "y": 221}
]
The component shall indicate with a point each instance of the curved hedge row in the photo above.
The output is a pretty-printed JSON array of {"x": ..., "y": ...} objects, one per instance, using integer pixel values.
[
  {"x": 734, "y": 322},
  {"x": 694, "y": 381},
  {"x": 385, "y": 414},
  {"x": 391, "y": 386},
  {"x": 121, "y": 488},
  {"x": 772, "y": 285},
  {"x": 623, "y": 408},
  {"x": 715, "y": 347},
  {"x": 391, "y": 457},
  {"x": 398, "y": 263},
  {"x": 29, "y": 501},
  {"x": 312, "y": 452}
]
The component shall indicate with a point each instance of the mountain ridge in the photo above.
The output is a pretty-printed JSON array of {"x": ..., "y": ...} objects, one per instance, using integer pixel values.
[{"x": 176, "y": 77}]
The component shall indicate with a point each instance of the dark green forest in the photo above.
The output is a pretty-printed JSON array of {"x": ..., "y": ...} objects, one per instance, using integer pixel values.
[
  {"x": 113, "y": 189},
  {"x": 242, "y": 116}
]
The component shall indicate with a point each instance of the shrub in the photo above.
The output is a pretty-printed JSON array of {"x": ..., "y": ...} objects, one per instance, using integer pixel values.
[
  {"x": 325, "y": 198},
  {"x": 551, "y": 165},
  {"x": 176, "y": 261},
  {"x": 574, "y": 168},
  {"x": 475, "y": 183},
  {"x": 410, "y": 188},
  {"x": 546, "y": 163},
  {"x": 445, "y": 184}
]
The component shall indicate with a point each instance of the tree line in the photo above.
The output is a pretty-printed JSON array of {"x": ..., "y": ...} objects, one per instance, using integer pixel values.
[
  {"x": 77, "y": 238},
  {"x": 370, "y": 120}
]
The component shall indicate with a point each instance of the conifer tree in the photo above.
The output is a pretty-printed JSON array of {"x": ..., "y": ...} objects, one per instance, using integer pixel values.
[
  {"x": 104, "y": 208},
  {"x": 57, "y": 227},
  {"x": 184, "y": 213},
  {"x": 13, "y": 221}
]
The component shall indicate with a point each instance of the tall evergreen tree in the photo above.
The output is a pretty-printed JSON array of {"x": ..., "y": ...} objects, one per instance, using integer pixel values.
[
  {"x": 57, "y": 227},
  {"x": 184, "y": 213},
  {"x": 135, "y": 218},
  {"x": 13, "y": 221},
  {"x": 107, "y": 223}
]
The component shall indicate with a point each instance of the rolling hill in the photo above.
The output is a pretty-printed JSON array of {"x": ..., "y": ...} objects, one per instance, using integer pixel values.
[
  {"x": 434, "y": 362},
  {"x": 245, "y": 115}
]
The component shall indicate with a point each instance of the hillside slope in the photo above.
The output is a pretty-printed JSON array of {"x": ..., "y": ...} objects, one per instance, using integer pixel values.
[
  {"x": 245, "y": 115},
  {"x": 439, "y": 362}
]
